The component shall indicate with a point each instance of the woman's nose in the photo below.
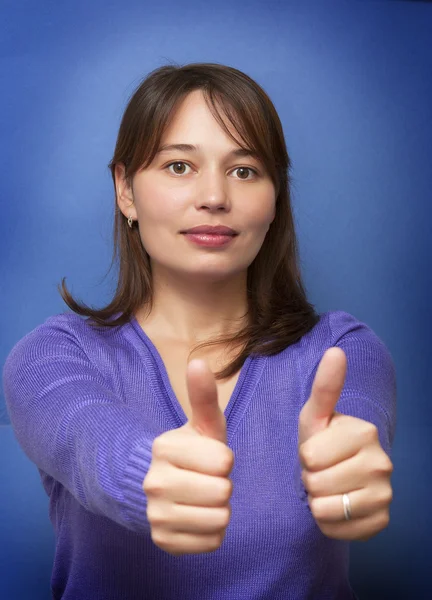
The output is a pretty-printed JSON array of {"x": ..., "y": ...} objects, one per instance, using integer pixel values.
[{"x": 213, "y": 192}]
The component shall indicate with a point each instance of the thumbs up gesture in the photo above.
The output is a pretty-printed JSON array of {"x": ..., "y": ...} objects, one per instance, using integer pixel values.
[
  {"x": 187, "y": 485},
  {"x": 341, "y": 455}
]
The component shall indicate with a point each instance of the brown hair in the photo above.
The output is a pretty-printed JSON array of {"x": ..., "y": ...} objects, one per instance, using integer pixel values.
[{"x": 279, "y": 313}]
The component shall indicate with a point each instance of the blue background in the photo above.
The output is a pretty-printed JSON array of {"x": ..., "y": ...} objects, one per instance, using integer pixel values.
[{"x": 352, "y": 82}]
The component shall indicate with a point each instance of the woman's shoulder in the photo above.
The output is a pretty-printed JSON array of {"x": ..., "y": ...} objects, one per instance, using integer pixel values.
[
  {"x": 343, "y": 329},
  {"x": 366, "y": 351},
  {"x": 60, "y": 334},
  {"x": 336, "y": 326},
  {"x": 54, "y": 328}
]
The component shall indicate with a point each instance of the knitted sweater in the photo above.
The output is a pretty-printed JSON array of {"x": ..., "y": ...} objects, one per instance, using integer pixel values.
[{"x": 86, "y": 405}]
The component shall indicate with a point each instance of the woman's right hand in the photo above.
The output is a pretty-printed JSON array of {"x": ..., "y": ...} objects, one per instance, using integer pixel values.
[{"x": 187, "y": 485}]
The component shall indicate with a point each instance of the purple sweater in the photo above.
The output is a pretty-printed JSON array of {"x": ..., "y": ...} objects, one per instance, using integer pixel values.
[{"x": 86, "y": 405}]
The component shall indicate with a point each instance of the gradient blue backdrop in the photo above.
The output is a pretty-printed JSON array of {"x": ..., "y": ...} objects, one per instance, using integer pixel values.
[{"x": 352, "y": 82}]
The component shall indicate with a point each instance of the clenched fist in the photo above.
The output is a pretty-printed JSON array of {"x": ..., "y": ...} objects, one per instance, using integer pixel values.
[{"x": 187, "y": 486}]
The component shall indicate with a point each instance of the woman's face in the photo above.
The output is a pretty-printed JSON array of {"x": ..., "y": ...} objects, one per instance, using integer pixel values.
[{"x": 203, "y": 187}]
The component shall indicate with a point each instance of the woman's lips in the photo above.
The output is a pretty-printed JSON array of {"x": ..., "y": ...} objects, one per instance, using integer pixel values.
[{"x": 209, "y": 239}]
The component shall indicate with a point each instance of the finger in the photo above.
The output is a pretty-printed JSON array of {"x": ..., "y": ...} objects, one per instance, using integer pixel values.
[
  {"x": 351, "y": 474},
  {"x": 364, "y": 503},
  {"x": 199, "y": 519},
  {"x": 327, "y": 386},
  {"x": 340, "y": 441},
  {"x": 203, "y": 456},
  {"x": 193, "y": 488},
  {"x": 328, "y": 383},
  {"x": 207, "y": 417},
  {"x": 357, "y": 529}
]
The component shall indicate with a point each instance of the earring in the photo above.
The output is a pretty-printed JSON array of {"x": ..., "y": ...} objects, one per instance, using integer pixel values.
[{"x": 130, "y": 221}]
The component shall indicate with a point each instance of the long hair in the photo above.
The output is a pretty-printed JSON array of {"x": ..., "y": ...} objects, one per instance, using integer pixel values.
[{"x": 278, "y": 312}]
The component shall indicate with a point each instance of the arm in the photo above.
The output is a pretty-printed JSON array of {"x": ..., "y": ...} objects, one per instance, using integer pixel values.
[
  {"x": 370, "y": 387},
  {"x": 72, "y": 426},
  {"x": 369, "y": 391}
]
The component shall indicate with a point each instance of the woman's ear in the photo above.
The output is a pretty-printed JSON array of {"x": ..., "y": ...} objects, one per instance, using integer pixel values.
[{"x": 124, "y": 194}]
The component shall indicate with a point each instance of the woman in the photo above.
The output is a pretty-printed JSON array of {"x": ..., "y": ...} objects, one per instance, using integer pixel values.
[{"x": 231, "y": 475}]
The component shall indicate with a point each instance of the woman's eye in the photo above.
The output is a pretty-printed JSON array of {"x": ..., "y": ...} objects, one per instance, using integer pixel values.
[
  {"x": 242, "y": 170},
  {"x": 177, "y": 164},
  {"x": 247, "y": 169}
]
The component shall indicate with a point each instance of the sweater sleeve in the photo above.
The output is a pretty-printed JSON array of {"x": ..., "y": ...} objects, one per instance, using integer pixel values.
[
  {"x": 370, "y": 388},
  {"x": 73, "y": 427},
  {"x": 369, "y": 391}
]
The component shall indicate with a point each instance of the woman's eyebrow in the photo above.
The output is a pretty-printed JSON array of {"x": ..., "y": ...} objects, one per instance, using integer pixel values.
[{"x": 240, "y": 152}]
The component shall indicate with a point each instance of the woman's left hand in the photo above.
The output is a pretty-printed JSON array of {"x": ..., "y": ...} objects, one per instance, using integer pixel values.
[{"x": 340, "y": 455}]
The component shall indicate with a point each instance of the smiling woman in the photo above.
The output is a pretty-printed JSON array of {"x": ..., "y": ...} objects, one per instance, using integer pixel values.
[
  {"x": 140, "y": 448},
  {"x": 202, "y": 144}
]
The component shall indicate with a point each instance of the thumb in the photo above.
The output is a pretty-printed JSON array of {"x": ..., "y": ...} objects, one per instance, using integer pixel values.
[
  {"x": 207, "y": 417},
  {"x": 327, "y": 387}
]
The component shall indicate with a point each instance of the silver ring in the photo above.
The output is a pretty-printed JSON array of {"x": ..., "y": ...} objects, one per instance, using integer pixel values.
[{"x": 346, "y": 507}]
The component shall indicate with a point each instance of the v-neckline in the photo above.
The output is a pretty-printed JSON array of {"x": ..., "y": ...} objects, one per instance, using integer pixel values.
[{"x": 241, "y": 396}]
